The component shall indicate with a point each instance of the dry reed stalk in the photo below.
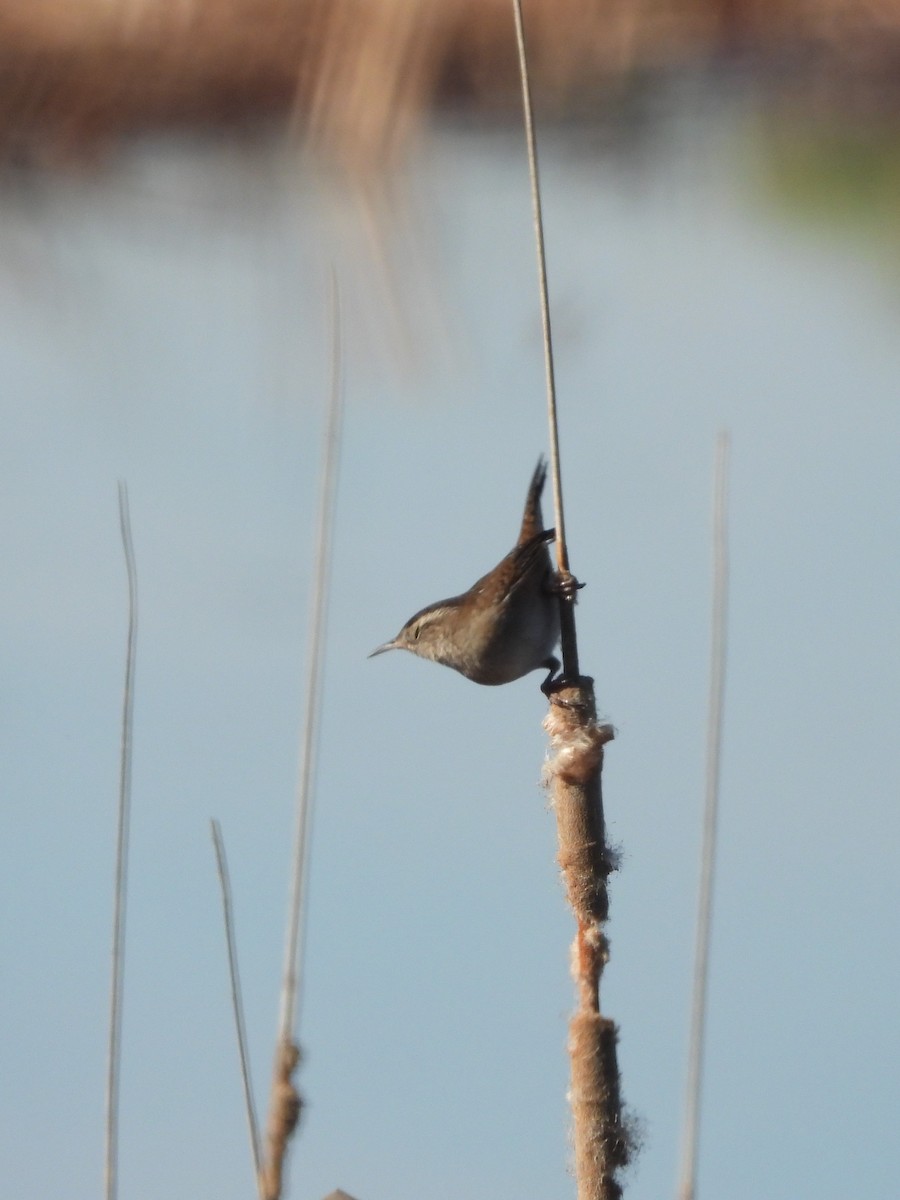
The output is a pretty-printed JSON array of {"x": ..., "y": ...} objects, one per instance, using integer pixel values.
[
  {"x": 111, "y": 1167},
  {"x": 691, "y": 1131},
  {"x": 600, "y": 1138},
  {"x": 284, "y": 1100}
]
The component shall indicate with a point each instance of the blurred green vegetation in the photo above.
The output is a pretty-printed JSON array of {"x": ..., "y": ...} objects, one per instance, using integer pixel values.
[{"x": 844, "y": 176}]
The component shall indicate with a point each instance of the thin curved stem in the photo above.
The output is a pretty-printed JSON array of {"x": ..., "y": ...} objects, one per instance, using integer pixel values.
[{"x": 237, "y": 1002}]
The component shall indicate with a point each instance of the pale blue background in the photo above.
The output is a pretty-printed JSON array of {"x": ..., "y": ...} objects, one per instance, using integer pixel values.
[{"x": 166, "y": 323}]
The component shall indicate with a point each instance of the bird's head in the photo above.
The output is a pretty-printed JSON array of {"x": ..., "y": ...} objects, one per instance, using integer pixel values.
[{"x": 432, "y": 633}]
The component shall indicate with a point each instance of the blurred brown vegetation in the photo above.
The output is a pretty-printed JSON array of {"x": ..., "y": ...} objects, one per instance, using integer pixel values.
[{"x": 360, "y": 74}]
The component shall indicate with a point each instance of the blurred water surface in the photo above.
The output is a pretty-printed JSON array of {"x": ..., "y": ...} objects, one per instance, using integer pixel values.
[{"x": 164, "y": 321}]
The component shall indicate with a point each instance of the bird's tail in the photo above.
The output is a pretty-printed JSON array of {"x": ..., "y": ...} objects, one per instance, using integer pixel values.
[{"x": 532, "y": 519}]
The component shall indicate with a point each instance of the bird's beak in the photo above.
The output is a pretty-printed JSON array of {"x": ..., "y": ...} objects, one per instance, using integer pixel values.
[{"x": 387, "y": 646}]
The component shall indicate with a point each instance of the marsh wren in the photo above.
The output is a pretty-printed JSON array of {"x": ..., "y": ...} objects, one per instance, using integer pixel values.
[{"x": 507, "y": 623}]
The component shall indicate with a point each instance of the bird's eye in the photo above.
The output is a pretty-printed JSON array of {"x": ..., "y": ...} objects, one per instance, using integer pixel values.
[{"x": 416, "y": 632}]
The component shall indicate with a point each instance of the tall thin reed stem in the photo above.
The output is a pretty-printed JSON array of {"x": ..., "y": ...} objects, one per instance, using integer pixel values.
[
  {"x": 691, "y": 1131},
  {"x": 114, "y": 1055},
  {"x": 310, "y": 733},
  {"x": 284, "y": 1103},
  {"x": 568, "y": 639}
]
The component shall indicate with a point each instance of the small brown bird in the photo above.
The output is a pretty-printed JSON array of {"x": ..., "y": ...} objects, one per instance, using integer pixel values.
[{"x": 507, "y": 623}]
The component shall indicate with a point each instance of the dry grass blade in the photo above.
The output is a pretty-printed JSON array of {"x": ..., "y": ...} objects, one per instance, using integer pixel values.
[
  {"x": 121, "y": 870},
  {"x": 236, "y": 997},
  {"x": 691, "y": 1132},
  {"x": 284, "y": 1103}
]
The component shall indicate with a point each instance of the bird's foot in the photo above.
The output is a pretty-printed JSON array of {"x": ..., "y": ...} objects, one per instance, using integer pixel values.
[
  {"x": 553, "y": 680},
  {"x": 564, "y": 583}
]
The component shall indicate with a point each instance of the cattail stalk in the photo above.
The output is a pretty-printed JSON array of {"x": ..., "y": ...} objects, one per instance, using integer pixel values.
[
  {"x": 600, "y": 1140},
  {"x": 573, "y": 774}
]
